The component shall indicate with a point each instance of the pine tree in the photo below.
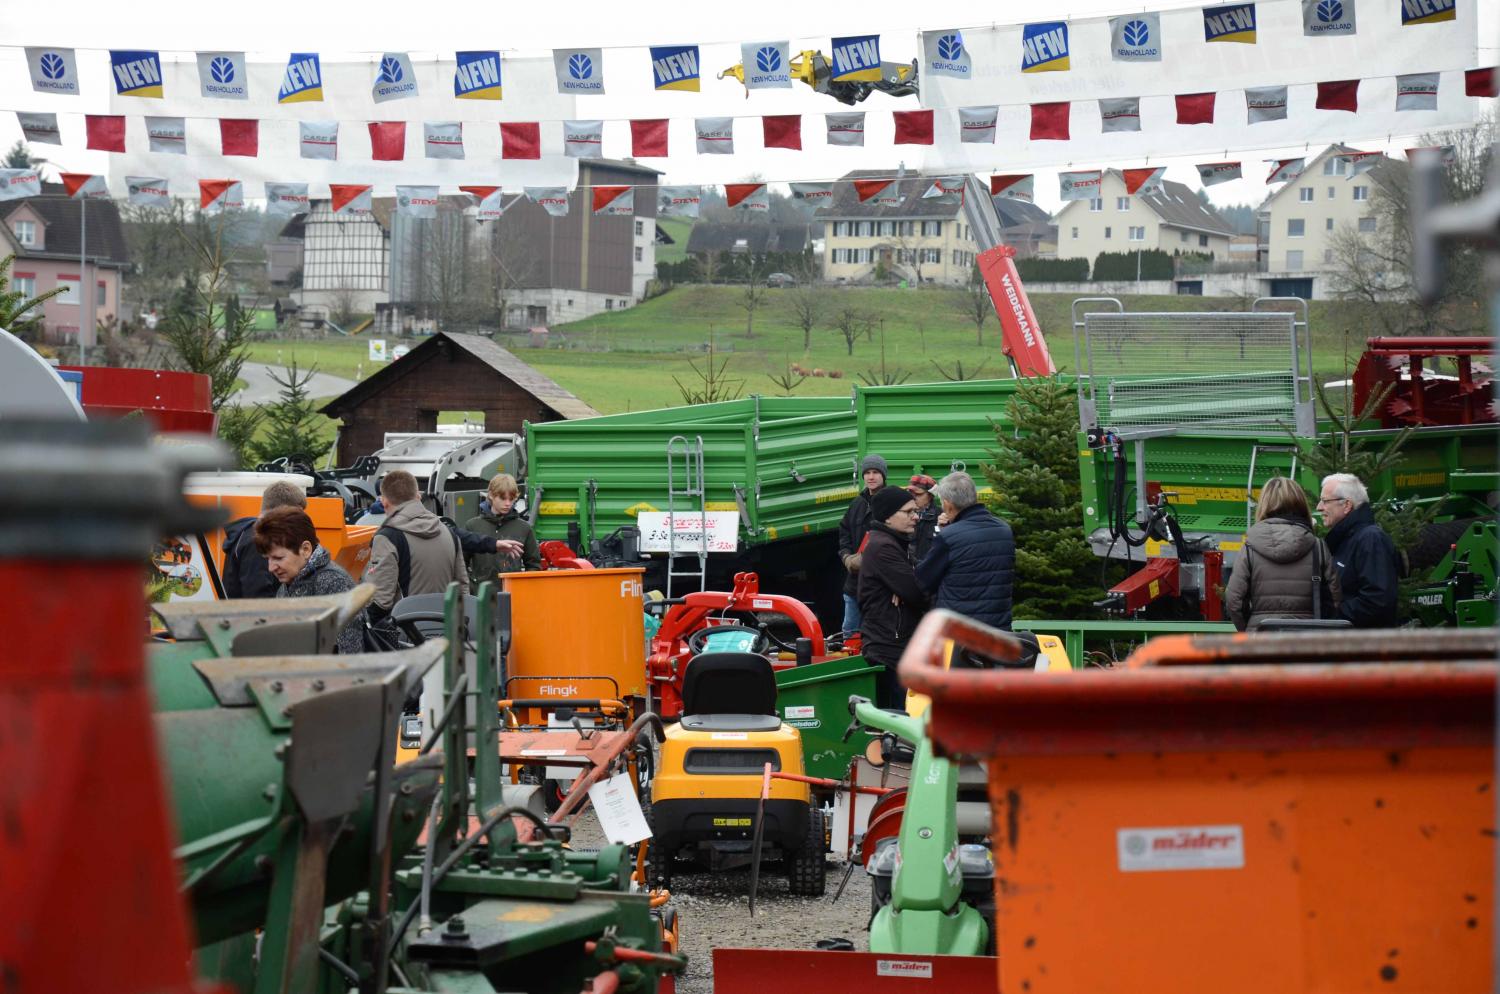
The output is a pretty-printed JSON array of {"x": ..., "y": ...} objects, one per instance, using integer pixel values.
[
  {"x": 1036, "y": 483},
  {"x": 294, "y": 428}
]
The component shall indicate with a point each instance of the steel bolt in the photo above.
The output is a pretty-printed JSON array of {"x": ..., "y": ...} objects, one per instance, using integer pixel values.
[
  {"x": 224, "y": 624},
  {"x": 455, "y": 929},
  {"x": 270, "y": 792},
  {"x": 407, "y": 789},
  {"x": 281, "y": 749},
  {"x": 317, "y": 685},
  {"x": 275, "y": 686},
  {"x": 925, "y": 833},
  {"x": 264, "y": 865}
]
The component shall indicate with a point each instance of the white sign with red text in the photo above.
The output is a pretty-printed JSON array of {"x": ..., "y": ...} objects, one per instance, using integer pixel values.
[
  {"x": 1181, "y": 847},
  {"x": 723, "y": 529}
]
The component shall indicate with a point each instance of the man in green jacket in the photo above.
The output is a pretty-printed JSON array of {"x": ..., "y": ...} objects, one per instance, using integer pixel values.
[{"x": 517, "y": 547}]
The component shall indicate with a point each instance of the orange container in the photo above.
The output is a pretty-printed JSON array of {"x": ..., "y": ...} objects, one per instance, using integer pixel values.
[
  {"x": 575, "y": 631},
  {"x": 349, "y": 545}
]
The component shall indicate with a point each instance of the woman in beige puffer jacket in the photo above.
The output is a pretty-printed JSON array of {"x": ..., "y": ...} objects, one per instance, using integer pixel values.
[{"x": 1274, "y": 575}]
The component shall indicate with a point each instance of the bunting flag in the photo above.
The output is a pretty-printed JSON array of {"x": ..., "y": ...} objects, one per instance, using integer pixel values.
[
  {"x": 856, "y": 59},
  {"x": 767, "y": 65},
  {"x": 913, "y": 127},
  {"x": 1447, "y": 155},
  {"x": 239, "y": 137},
  {"x": 53, "y": 70},
  {"x": 1417, "y": 91},
  {"x": 1339, "y": 95},
  {"x": 1482, "y": 82},
  {"x": 287, "y": 199},
  {"x": 320, "y": 139},
  {"x": 580, "y": 71},
  {"x": 614, "y": 201},
  {"x": 137, "y": 73},
  {"x": 811, "y": 196},
  {"x": 1284, "y": 170},
  {"x": 1214, "y": 173},
  {"x": 215, "y": 196},
  {"x": 303, "y": 80},
  {"x": 976, "y": 125},
  {"x": 1049, "y": 122},
  {"x": 147, "y": 191},
  {"x": 880, "y": 192},
  {"x": 388, "y": 141},
  {"x": 1362, "y": 162},
  {"x": 443, "y": 139},
  {"x": 1135, "y": 38},
  {"x": 1230, "y": 22},
  {"x": 782, "y": 131},
  {"x": 945, "y": 190},
  {"x": 945, "y": 54},
  {"x": 1044, "y": 47},
  {"x": 583, "y": 139},
  {"x": 222, "y": 76},
  {"x": 750, "y": 197},
  {"x": 715, "y": 135},
  {"x": 394, "y": 78},
  {"x": 476, "y": 75},
  {"x": 1427, "y": 11},
  {"x": 39, "y": 128},
  {"x": 166, "y": 134},
  {"x": 417, "y": 201},
  {"x": 489, "y": 200},
  {"x": 552, "y": 199},
  {"x": 1080, "y": 185},
  {"x": 674, "y": 67},
  {"x": 1120, "y": 114},
  {"x": 349, "y": 200},
  {"x": 648, "y": 137},
  {"x": 679, "y": 201},
  {"x": 84, "y": 186},
  {"x": 1144, "y": 182},
  {"x": 1265, "y": 103},
  {"x": 1327, "y": 18},
  {"x": 18, "y": 183},
  {"x": 1016, "y": 186},
  {"x": 105, "y": 132},
  {"x": 846, "y": 129},
  {"x": 1195, "y": 108},
  {"x": 521, "y": 140}
]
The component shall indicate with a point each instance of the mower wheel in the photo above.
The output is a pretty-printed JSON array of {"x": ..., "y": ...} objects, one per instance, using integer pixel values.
[{"x": 806, "y": 870}]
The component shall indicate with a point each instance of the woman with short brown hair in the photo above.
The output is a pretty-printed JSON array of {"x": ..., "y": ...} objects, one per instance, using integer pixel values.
[
  {"x": 1274, "y": 576},
  {"x": 289, "y": 541}
]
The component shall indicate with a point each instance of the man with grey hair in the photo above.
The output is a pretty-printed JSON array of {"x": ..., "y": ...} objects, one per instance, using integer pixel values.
[
  {"x": 1368, "y": 564},
  {"x": 245, "y": 572},
  {"x": 970, "y": 567}
]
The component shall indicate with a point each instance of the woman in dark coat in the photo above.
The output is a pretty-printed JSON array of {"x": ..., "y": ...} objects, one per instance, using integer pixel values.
[
  {"x": 890, "y": 602},
  {"x": 288, "y": 540},
  {"x": 1274, "y": 575}
]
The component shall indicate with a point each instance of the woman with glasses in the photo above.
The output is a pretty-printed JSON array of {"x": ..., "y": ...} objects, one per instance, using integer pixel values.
[
  {"x": 890, "y": 602},
  {"x": 1284, "y": 570}
]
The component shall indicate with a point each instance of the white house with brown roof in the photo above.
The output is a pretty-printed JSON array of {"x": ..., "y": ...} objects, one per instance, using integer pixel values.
[
  {"x": 1300, "y": 221},
  {"x": 1173, "y": 220}
]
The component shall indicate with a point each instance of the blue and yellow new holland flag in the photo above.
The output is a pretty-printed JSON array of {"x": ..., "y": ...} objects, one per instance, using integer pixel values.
[
  {"x": 1231, "y": 22},
  {"x": 856, "y": 59},
  {"x": 1044, "y": 47},
  {"x": 476, "y": 76},
  {"x": 136, "y": 73},
  {"x": 1427, "y": 11},
  {"x": 675, "y": 67},
  {"x": 303, "y": 80}
]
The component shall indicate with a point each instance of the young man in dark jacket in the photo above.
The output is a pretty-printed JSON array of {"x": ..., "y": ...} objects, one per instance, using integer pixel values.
[
  {"x": 920, "y": 489},
  {"x": 1369, "y": 566},
  {"x": 245, "y": 573},
  {"x": 518, "y": 547},
  {"x": 852, "y": 531},
  {"x": 971, "y": 566},
  {"x": 890, "y": 602}
]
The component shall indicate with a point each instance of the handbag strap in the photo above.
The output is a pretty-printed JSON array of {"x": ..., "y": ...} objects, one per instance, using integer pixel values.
[{"x": 1317, "y": 578}]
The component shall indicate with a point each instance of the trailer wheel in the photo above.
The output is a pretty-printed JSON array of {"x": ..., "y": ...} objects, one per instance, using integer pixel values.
[{"x": 806, "y": 870}]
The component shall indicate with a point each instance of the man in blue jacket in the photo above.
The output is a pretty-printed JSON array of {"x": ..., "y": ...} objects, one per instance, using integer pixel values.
[
  {"x": 971, "y": 565},
  {"x": 1368, "y": 564}
]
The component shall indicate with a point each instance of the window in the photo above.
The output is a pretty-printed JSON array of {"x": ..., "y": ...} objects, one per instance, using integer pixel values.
[
  {"x": 1333, "y": 191},
  {"x": 640, "y": 227},
  {"x": 1107, "y": 232},
  {"x": 1305, "y": 195},
  {"x": 1334, "y": 166},
  {"x": 100, "y": 295},
  {"x": 69, "y": 287},
  {"x": 25, "y": 233},
  {"x": 1367, "y": 226},
  {"x": 1138, "y": 234},
  {"x": 640, "y": 254},
  {"x": 1328, "y": 225},
  {"x": 837, "y": 257},
  {"x": 1361, "y": 193},
  {"x": 1096, "y": 205},
  {"x": 866, "y": 229},
  {"x": 1203, "y": 241},
  {"x": 1328, "y": 255},
  {"x": 1075, "y": 233},
  {"x": 1184, "y": 236},
  {"x": 932, "y": 229},
  {"x": 1294, "y": 261},
  {"x": 932, "y": 255},
  {"x": 24, "y": 284},
  {"x": 840, "y": 229},
  {"x": 887, "y": 227},
  {"x": 1295, "y": 227},
  {"x": 1122, "y": 204},
  {"x": 609, "y": 303}
]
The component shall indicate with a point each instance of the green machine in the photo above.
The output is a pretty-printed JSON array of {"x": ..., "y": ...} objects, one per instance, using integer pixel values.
[{"x": 1461, "y": 589}]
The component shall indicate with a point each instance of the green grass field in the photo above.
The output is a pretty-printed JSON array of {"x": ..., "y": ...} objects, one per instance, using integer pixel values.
[{"x": 678, "y": 228}]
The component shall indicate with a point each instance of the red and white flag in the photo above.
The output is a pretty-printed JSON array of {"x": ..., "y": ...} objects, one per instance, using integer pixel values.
[
  {"x": 1284, "y": 170},
  {"x": 287, "y": 199},
  {"x": 239, "y": 137},
  {"x": 350, "y": 200},
  {"x": 614, "y": 201},
  {"x": 1049, "y": 122},
  {"x": 1016, "y": 186},
  {"x": 648, "y": 137},
  {"x": 443, "y": 139},
  {"x": 880, "y": 192},
  {"x": 1120, "y": 114},
  {"x": 913, "y": 127},
  {"x": 1214, "y": 173},
  {"x": 782, "y": 131},
  {"x": 1083, "y": 184},
  {"x": 715, "y": 135},
  {"x": 84, "y": 186},
  {"x": 846, "y": 129},
  {"x": 751, "y": 197},
  {"x": 1362, "y": 162},
  {"x": 552, "y": 199},
  {"x": 39, "y": 128},
  {"x": 320, "y": 139},
  {"x": 1339, "y": 94},
  {"x": 18, "y": 183},
  {"x": 1265, "y": 103},
  {"x": 811, "y": 196},
  {"x": 520, "y": 140},
  {"x": 976, "y": 125},
  {"x": 1144, "y": 181},
  {"x": 679, "y": 201},
  {"x": 1447, "y": 154},
  {"x": 147, "y": 191},
  {"x": 388, "y": 141},
  {"x": 1417, "y": 91},
  {"x": 167, "y": 135},
  {"x": 945, "y": 190},
  {"x": 1195, "y": 108},
  {"x": 106, "y": 132},
  {"x": 488, "y": 199},
  {"x": 215, "y": 196},
  {"x": 417, "y": 201},
  {"x": 583, "y": 139}
]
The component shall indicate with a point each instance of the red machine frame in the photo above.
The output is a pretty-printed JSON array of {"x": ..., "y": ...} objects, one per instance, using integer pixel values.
[{"x": 1416, "y": 400}]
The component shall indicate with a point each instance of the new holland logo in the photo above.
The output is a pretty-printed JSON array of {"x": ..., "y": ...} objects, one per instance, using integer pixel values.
[
  {"x": 766, "y": 65},
  {"x": 1044, "y": 47},
  {"x": 395, "y": 80},
  {"x": 303, "y": 80},
  {"x": 476, "y": 76},
  {"x": 221, "y": 75},
  {"x": 1232, "y": 22},
  {"x": 856, "y": 59},
  {"x": 578, "y": 70},
  {"x": 52, "y": 70},
  {"x": 1135, "y": 38},
  {"x": 945, "y": 54},
  {"x": 1327, "y": 17},
  {"x": 1427, "y": 11},
  {"x": 136, "y": 73},
  {"x": 675, "y": 67}
]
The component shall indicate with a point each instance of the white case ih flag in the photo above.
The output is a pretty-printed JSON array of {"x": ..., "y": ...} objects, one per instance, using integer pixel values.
[
  {"x": 678, "y": 201},
  {"x": 1284, "y": 170},
  {"x": 1120, "y": 114},
  {"x": 53, "y": 70},
  {"x": 40, "y": 128},
  {"x": 715, "y": 135},
  {"x": 1213, "y": 173},
  {"x": 18, "y": 183},
  {"x": 614, "y": 201},
  {"x": 977, "y": 124},
  {"x": 579, "y": 70},
  {"x": 945, "y": 54},
  {"x": 320, "y": 139},
  {"x": 1143, "y": 182},
  {"x": 394, "y": 78},
  {"x": 417, "y": 201},
  {"x": 443, "y": 139},
  {"x": 222, "y": 76},
  {"x": 552, "y": 199},
  {"x": 287, "y": 199},
  {"x": 583, "y": 139},
  {"x": 215, "y": 196},
  {"x": 846, "y": 129},
  {"x": 350, "y": 200},
  {"x": 1265, "y": 103},
  {"x": 767, "y": 65},
  {"x": 1417, "y": 91},
  {"x": 147, "y": 191},
  {"x": 1081, "y": 185},
  {"x": 945, "y": 190},
  {"x": 167, "y": 134},
  {"x": 1323, "y": 18},
  {"x": 1135, "y": 38}
]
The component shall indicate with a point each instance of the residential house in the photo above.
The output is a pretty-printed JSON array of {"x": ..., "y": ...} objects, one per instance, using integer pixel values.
[
  {"x": 46, "y": 234},
  {"x": 916, "y": 240},
  {"x": 1026, "y": 228},
  {"x": 346, "y": 261},
  {"x": 1173, "y": 220}
]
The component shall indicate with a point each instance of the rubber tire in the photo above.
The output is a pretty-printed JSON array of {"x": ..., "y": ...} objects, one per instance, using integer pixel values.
[
  {"x": 1434, "y": 543},
  {"x": 806, "y": 869},
  {"x": 658, "y": 862}
]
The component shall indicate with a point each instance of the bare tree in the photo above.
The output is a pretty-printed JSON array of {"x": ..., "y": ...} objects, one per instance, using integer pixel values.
[
  {"x": 513, "y": 264},
  {"x": 710, "y": 262},
  {"x": 789, "y": 378},
  {"x": 448, "y": 270},
  {"x": 808, "y": 302},
  {"x": 909, "y": 250},
  {"x": 713, "y": 384},
  {"x": 973, "y": 301},
  {"x": 753, "y": 295},
  {"x": 958, "y": 374},
  {"x": 850, "y": 322}
]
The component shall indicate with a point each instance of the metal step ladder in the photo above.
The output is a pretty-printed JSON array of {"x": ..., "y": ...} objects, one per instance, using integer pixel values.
[{"x": 684, "y": 488}]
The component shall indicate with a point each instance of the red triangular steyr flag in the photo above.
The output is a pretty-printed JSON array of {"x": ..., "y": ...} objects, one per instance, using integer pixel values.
[
  {"x": 735, "y": 193},
  {"x": 210, "y": 190},
  {"x": 913, "y": 127},
  {"x": 106, "y": 132},
  {"x": 342, "y": 193},
  {"x": 480, "y": 192},
  {"x": 868, "y": 189},
  {"x": 1195, "y": 108},
  {"x": 1144, "y": 181},
  {"x": 604, "y": 196},
  {"x": 1049, "y": 122},
  {"x": 520, "y": 140},
  {"x": 782, "y": 131},
  {"x": 1341, "y": 94},
  {"x": 80, "y": 186},
  {"x": 388, "y": 141},
  {"x": 648, "y": 138},
  {"x": 239, "y": 137},
  {"x": 1482, "y": 82},
  {"x": 1015, "y": 185}
]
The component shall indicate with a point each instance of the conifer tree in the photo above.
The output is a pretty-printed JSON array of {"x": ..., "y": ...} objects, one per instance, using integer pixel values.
[{"x": 294, "y": 428}]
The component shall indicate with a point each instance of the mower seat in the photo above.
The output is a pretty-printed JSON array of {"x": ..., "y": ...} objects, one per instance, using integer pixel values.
[{"x": 729, "y": 692}]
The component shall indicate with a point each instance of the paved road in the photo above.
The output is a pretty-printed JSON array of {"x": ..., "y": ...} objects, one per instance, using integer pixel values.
[{"x": 260, "y": 388}]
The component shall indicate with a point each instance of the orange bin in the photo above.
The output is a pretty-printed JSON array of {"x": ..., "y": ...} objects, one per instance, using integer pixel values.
[
  {"x": 349, "y": 545},
  {"x": 577, "y": 633},
  {"x": 1318, "y": 818}
]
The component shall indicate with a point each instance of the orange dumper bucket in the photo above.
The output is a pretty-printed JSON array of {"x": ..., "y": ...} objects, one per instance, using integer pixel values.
[
  {"x": 577, "y": 633},
  {"x": 348, "y": 545},
  {"x": 1319, "y": 817}
]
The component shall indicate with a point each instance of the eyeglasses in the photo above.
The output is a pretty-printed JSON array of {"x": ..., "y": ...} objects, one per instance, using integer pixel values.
[
  {"x": 1328, "y": 500},
  {"x": 909, "y": 510}
]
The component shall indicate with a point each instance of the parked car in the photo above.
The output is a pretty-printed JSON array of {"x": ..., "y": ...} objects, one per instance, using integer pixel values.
[{"x": 781, "y": 280}]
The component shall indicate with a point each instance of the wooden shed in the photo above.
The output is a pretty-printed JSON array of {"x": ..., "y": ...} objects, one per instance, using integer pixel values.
[{"x": 448, "y": 372}]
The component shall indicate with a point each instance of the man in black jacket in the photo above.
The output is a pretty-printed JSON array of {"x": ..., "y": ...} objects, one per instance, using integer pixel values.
[
  {"x": 1368, "y": 564},
  {"x": 920, "y": 489},
  {"x": 245, "y": 573},
  {"x": 852, "y": 531},
  {"x": 890, "y": 602},
  {"x": 971, "y": 566}
]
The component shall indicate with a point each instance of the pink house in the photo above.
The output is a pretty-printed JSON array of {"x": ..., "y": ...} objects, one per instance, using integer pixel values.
[{"x": 44, "y": 234}]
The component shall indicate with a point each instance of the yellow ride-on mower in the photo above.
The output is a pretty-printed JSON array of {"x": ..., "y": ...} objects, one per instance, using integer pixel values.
[{"x": 706, "y": 796}]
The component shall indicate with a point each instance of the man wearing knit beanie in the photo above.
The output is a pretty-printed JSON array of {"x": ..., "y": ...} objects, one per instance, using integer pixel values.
[
  {"x": 920, "y": 489},
  {"x": 852, "y": 530}
]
